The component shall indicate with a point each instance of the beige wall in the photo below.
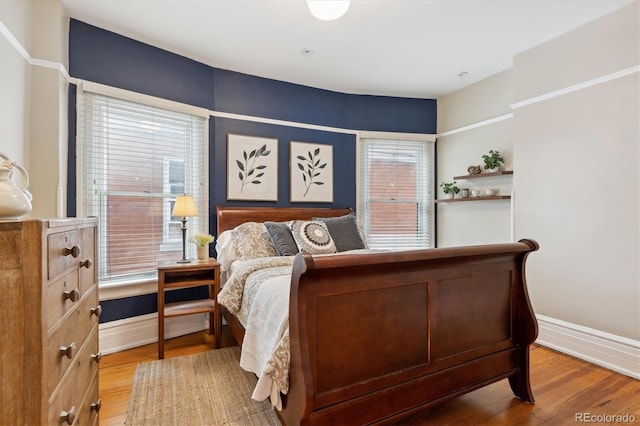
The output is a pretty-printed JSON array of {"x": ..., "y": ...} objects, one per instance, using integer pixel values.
[
  {"x": 575, "y": 160},
  {"x": 477, "y": 222},
  {"x": 578, "y": 183},
  {"x": 607, "y": 45},
  {"x": 33, "y": 97},
  {"x": 15, "y": 80}
]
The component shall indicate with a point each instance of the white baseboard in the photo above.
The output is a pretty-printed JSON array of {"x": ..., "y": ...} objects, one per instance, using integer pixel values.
[
  {"x": 116, "y": 336},
  {"x": 607, "y": 350}
]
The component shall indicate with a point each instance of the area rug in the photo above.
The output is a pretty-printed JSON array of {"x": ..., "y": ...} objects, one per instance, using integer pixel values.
[{"x": 208, "y": 388}]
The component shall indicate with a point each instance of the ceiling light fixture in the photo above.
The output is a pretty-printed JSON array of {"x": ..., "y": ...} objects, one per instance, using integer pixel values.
[{"x": 328, "y": 10}]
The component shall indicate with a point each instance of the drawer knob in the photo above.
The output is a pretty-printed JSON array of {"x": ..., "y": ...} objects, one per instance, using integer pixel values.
[
  {"x": 96, "y": 357},
  {"x": 73, "y": 295},
  {"x": 95, "y": 406},
  {"x": 68, "y": 351},
  {"x": 97, "y": 311},
  {"x": 68, "y": 416},
  {"x": 86, "y": 264},
  {"x": 73, "y": 251}
]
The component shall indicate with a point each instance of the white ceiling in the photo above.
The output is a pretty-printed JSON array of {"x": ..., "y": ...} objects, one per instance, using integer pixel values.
[{"x": 409, "y": 48}]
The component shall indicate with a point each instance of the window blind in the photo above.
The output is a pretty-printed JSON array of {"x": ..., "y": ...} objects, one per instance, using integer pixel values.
[
  {"x": 397, "y": 193},
  {"x": 133, "y": 160}
]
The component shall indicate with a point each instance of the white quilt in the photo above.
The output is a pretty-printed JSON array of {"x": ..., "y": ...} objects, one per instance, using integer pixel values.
[{"x": 257, "y": 292}]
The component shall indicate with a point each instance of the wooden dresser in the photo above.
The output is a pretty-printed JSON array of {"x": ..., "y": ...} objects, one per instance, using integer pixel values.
[{"x": 49, "y": 322}]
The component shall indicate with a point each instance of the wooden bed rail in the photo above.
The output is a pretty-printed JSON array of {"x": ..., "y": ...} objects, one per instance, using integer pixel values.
[{"x": 378, "y": 337}]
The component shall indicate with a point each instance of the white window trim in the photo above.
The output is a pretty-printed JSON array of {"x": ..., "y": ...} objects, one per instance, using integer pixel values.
[
  {"x": 127, "y": 95},
  {"x": 420, "y": 137},
  {"x": 144, "y": 285},
  {"x": 154, "y": 101},
  {"x": 360, "y": 135},
  {"x": 130, "y": 288}
]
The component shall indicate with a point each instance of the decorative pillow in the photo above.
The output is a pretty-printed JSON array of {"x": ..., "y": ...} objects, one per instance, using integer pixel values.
[
  {"x": 345, "y": 232},
  {"x": 282, "y": 238},
  {"x": 312, "y": 237},
  {"x": 252, "y": 240},
  {"x": 226, "y": 250}
]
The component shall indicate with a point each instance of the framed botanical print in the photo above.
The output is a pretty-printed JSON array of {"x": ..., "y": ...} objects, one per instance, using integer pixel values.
[
  {"x": 311, "y": 167},
  {"x": 252, "y": 168}
]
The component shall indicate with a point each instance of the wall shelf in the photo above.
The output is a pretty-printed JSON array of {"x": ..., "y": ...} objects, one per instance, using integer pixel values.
[
  {"x": 484, "y": 175},
  {"x": 483, "y": 198}
]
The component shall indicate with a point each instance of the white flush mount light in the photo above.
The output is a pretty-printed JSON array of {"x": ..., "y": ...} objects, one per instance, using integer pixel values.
[{"x": 328, "y": 10}]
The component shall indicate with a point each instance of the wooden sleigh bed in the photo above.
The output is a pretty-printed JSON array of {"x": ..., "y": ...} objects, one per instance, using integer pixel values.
[{"x": 377, "y": 337}]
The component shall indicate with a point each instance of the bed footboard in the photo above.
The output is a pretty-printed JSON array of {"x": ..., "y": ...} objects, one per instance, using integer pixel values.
[{"x": 378, "y": 337}]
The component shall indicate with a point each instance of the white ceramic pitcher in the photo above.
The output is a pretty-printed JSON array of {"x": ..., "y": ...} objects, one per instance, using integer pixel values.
[{"x": 15, "y": 201}]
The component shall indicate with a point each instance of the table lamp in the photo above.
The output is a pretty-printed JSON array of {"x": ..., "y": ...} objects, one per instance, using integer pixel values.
[{"x": 184, "y": 207}]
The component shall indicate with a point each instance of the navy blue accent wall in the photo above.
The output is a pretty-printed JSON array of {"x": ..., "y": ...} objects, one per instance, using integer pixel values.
[
  {"x": 244, "y": 94},
  {"x": 104, "y": 57},
  {"x": 387, "y": 114},
  {"x": 71, "y": 153},
  {"x": 261, "y": 97}
]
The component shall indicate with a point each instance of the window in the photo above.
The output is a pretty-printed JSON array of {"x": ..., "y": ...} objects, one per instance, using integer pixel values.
[
  {"x": 175, "y": 185},
  {"x": 133, "y": 160},
  {"x": 396, "y": 204}
]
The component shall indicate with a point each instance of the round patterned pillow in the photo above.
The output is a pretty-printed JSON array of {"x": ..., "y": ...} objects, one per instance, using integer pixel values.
[{"x": 312, "y": 237}]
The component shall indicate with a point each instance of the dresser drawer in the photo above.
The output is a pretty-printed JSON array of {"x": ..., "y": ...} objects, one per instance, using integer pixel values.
[
  {"x": 69, "y": 396},
  {"x": 90, "y": 406},
  {"x": 73, "y": 332},
  {"x": 60, "y": 297},
  {"x": 88, "y": 271},
  {"x": 64, "y": 251}
]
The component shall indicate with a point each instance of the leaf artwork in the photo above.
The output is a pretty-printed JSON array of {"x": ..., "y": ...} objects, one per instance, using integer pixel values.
[
  {"x": 311, "y": 167},
  {"x": 251, "y": 172}
]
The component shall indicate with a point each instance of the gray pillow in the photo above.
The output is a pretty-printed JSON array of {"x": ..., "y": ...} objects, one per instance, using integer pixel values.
[
  {"x": 282, "y": 238},
  {"x": 344, "y": 231}
]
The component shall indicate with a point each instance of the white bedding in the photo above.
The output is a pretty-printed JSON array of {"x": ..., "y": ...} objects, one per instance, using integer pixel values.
[
  {"x": 269, "y": 321},
  {"x": 257, "y": 292}
]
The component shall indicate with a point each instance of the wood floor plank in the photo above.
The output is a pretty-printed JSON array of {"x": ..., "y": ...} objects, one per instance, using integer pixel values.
[{"x": 563, "y": 386}]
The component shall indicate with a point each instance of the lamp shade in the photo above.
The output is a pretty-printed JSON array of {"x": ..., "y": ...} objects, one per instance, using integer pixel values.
[
  {"x": 328, "y": 10},
  {"x": 184, "y": 206}
]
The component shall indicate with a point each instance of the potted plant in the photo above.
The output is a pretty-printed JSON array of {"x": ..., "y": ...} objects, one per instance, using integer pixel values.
[
  {"x": 450, "y": 189},
  {"x": 492, "y": 161},
  {"x": 202, "y": 242}
]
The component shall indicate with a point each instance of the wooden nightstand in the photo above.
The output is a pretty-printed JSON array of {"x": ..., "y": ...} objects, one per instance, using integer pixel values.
[{"x": 183, "y": 275}]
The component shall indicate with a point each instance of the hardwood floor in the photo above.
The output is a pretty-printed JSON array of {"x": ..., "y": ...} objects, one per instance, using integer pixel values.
[{"x": 564, "y": 387}]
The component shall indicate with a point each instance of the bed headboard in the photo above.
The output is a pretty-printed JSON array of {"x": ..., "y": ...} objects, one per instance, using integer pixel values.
[{"x": 230, "y": 217}]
